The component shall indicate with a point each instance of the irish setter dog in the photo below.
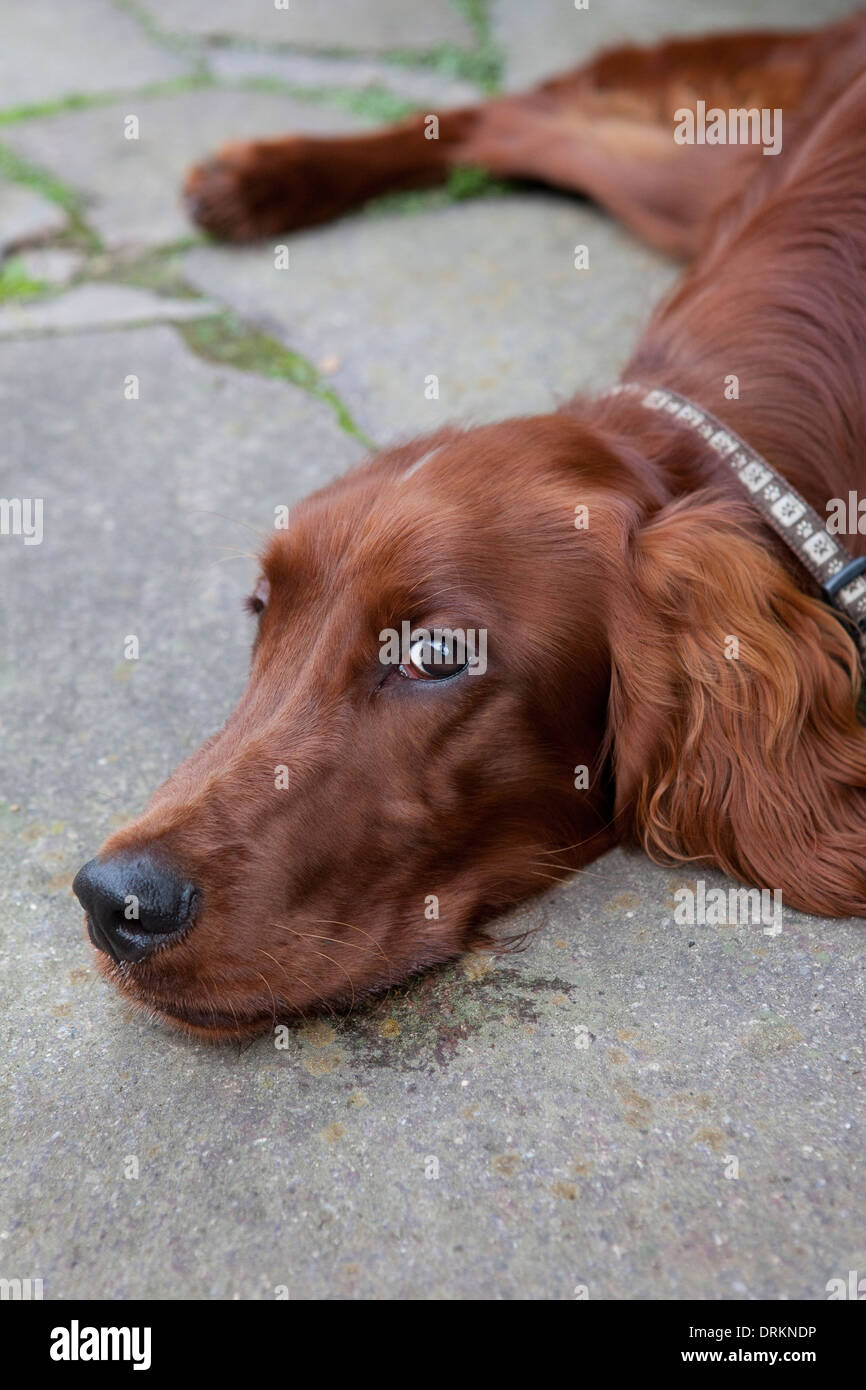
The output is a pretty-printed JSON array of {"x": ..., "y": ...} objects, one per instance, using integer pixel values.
[{"x": 366, "y": 811}]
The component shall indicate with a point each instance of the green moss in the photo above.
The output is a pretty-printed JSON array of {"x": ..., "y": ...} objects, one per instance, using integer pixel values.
[
  {"x": 160, "y": 271},
  {"x": 461, "y": 185},
  {"x": 11, "y": 115},
  {"x": 184, "y": 43},
  {"x": 15, "y": 283},
  {"x": 375, "y": 103},
  {"x": 224, "y": 338},
  {"x": 487, "y": 56},
  {"x": 448, "y": 60},
  {"x": 473, "y": 183},
  {"x": 481, "y": 65},
  {"x": 18, "y": 170},
  {"x": 85, "y": 101}
]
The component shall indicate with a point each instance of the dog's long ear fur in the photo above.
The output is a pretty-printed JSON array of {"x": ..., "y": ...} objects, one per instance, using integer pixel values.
[{"x": 733, "y": 722}]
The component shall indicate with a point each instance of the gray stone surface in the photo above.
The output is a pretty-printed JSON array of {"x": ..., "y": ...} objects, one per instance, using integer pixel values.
[
  {"x": 134, "y": 186},
  {"x": 26, "y": 216},
  {"x": 96, "y": 306},
  {"x": 549, "y": 36},
  {"x": 50, "y": 51},
  {"x": 144, "y": 500},
  {"x": 559, "y": 1165},
  {"x": 483, "y": 295},
  {"x": 356, "y": 25}
]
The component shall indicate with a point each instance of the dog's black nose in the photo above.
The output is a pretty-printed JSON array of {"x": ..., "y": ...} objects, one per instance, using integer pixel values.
[{"x": 133, "y": 904}]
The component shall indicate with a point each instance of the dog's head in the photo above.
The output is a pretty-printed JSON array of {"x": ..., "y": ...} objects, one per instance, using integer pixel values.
[{"x": 477, "y": 665}]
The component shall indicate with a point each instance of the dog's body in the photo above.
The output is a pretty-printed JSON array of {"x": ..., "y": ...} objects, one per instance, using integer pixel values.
[{"x": 610, "y": 647}]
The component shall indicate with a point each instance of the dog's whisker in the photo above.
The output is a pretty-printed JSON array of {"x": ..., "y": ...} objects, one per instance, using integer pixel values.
[
  {"x": 326, "y": 922},
  {"x": 337, "y": 940},
  {"x": 565, "y": 849},
  {"x": 270, "y": 992},
  {"x": 536, "y": 874},
  {"x": 324, "y": 956},
  {"x": 284, "y": 972},
  {"x": 259, "y": 532}
]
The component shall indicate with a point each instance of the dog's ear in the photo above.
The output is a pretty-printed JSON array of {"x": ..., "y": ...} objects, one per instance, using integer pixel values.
[{"x": 733, "y": 718}]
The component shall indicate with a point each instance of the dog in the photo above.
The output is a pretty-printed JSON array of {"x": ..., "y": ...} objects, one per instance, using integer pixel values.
[{"x": 661, "y": 665}]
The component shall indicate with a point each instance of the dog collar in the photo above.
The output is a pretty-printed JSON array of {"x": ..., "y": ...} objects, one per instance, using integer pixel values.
[{"x": 841, "y": 576}]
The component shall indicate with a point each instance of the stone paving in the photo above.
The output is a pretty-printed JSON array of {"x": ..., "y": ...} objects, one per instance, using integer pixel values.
[{"x": 586, "y": 1102}]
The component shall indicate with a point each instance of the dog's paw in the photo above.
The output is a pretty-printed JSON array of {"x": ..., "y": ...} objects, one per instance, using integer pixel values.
[{"x": 247, "y": 190}]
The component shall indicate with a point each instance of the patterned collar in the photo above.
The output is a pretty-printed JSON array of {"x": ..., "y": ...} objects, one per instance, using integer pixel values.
[{"x": 841, "y": 577}]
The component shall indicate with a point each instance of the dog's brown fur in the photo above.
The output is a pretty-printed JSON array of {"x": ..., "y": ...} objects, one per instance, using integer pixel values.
[{"x": 607, "y": 646}]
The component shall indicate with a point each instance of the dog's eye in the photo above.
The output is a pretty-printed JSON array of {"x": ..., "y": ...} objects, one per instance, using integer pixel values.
[
  {"x": 434, "y": 658},
  {"x": 258, "y": 599}
]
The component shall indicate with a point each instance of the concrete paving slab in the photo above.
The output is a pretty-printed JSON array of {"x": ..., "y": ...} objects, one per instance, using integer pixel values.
[
  {"x": 629, "y": 1108},
  {"x": 483, "y": 295},
  {"x": 26, "y": 216},
  {"x": 356, "y": 25},
  {"x": 97, "y": 306},
  {"x": 133, "y": 186},
  {"x": 144, "y": 498},
  {"x": 80, "y": 48}
]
